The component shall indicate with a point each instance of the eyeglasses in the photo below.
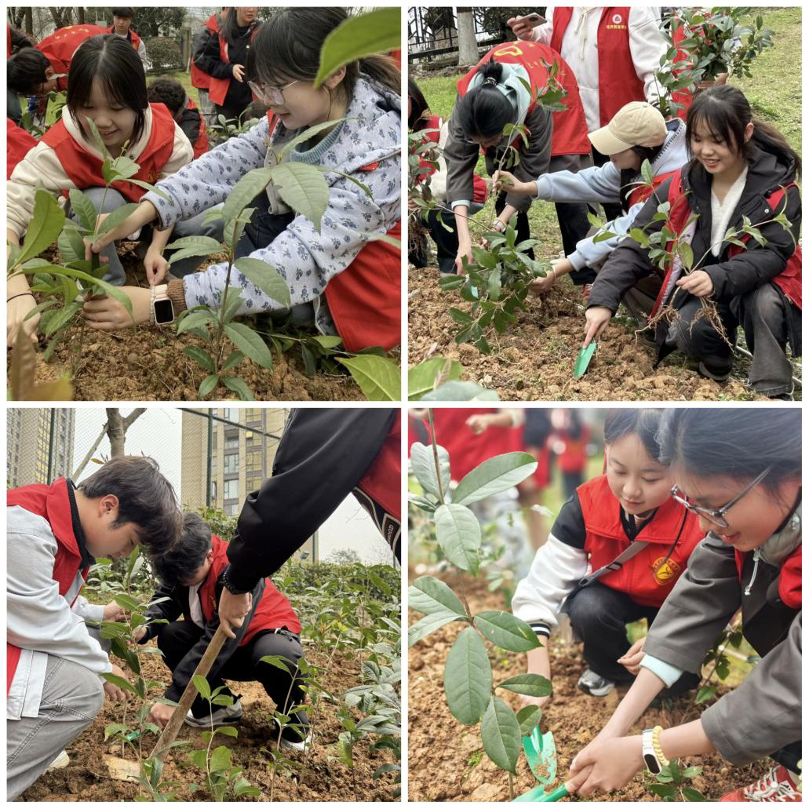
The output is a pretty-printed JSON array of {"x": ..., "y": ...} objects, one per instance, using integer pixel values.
[
  {"x": 268, "y": 93},
  {"x": 716, "y": 515}
]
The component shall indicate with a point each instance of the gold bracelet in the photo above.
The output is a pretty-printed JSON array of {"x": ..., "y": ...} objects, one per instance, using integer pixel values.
[{"x": 657, "y": 746}]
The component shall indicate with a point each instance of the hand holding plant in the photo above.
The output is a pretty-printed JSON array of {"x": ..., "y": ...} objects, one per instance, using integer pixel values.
[
  {"x": 112, "y": 690},
  {"x": 631, "y": 660},
  {"x": 503, "y": 180}
]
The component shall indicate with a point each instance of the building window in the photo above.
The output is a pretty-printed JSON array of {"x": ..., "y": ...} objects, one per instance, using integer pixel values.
[
  {"x": 214, "y": 491},
  {"x": 232, "y": 441},
  {"x": 231, "y": 489},
  {"x": 231, "y": 509},
  {"x": 232, "y": 463}
]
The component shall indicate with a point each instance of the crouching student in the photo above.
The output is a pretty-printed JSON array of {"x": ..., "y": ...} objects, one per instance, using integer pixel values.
[
  {"x": 614, "y": 553},
  {"x": 54, "y": 663},
  {"x": 740, "y": 475},
  {"x": 193, "y": 575},
  {"x": 171, "y": 93}
]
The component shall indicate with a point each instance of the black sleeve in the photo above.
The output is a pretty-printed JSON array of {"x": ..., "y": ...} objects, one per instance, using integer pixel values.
[
  {"x": 185, "y": 669},
  {"x": 569, "y": 527},
  {"x": 759, "y": 264},
  {"x": 629, "y": 262},
  {"x": 323, "y": 454},
  {"x": 19, "y": 40},
  {"x": 190, "y": 124},
  {"x": 210, "y": 61},
  {"x": 169, "y": 609},
  {"x": 198, "y": 43}
]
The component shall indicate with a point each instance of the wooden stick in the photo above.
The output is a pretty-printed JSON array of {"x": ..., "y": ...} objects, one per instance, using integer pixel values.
[{"x": 173, "y": 726}]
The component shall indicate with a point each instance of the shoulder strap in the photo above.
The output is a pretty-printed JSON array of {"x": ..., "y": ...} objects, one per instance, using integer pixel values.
[{"x": 634, "y": 548}]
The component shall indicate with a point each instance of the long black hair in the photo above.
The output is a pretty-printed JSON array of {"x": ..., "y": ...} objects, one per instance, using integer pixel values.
[
  {"x": 419, "y": 107},
  {"x": 642, "y": 422},
  {"x": 726, "y": 113},
  {"x": 116, "y": 64},
  {"x": 288, "y": 48},
  {"x": 738, "y": 443},
  {"x": 26, "y": 70},
  {"x": 484, "y": 111}
]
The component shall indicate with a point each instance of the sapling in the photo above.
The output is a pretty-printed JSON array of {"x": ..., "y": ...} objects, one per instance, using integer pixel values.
[{"x": 670, "y": 784}]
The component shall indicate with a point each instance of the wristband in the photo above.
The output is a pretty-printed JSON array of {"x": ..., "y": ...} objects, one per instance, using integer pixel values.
[
  {"x": 651, "y": 750},
  {"x": 498, "y": 225},
  {"x": 229, "y": 586},
  {"x": 18, "y": 295}
]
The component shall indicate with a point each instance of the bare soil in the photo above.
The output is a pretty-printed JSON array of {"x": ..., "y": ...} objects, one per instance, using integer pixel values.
[
  {"x": 323, "y": 778},
  {"x": 446, "y": 761},
  {"x": 534, "y": 359}
]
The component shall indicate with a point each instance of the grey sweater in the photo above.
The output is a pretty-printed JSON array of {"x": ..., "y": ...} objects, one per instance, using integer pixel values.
[{"x": 369, "y": 137}]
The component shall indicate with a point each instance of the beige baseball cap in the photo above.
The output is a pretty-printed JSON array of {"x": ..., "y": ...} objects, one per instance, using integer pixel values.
[{"x": 636, "y": 124}]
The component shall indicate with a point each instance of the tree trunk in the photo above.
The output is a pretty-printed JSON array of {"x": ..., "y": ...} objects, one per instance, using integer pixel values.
[
  {"x": 467, "y": 46},
  {"x": 115, "y": 432},
  {"x": 80, "y": 15},
  {"x": 29, "y": 20}
]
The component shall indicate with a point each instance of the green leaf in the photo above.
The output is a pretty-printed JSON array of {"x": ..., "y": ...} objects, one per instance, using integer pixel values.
[
  {"x": 121, "y": 683},
  {"x": 378, "y": 31},
  {"x": 423, "y": 378},
  {"x": 233, "y": 360},
  {"x": 127, "y": 602},
  {"x": 245, "y": 191},
  {"x": 238, "y": 386},
  {"x": 221, "y": 758},
  {"x": 44, "y": 228},
  {"x": 705, "y": 693},
  {"x": 122, "y": 168},
  {"x": 378, "y": 377},
  {"x": 193, "y": 319},
  {"x": 459, "y": 535},
  {"x": 506, "y": 631},
  {"x": 430, "y": 595},
  {"x": 328, "y": 341},
  {"x": 102, "y": 147},
  {"x": 109, "y": 289},
  {"x": 468, "y": 677},
  {"x": 202, "y": 357},
  {"x": 208, "y": 385},
  {"x": 429, "y": 624},
  {"x": 71, "y": 245},
  {"x": 693, "y": 795},
  {"x": 84, "y": 209},
  {"x": 493, "y": 476},
  {"x": 692, "y": 771},
  {"x": 500, "y": 734},
  {"x": 686, "y": 254},
  {"x": 266, "y": 278},
  {"x": 198, "y": 758},
  {"x": 61, "y": 318},
  {"x": 663, "y": 790},
  {"x": 205, "y": 243},
  {"x": 114, "y": 728},
  {"x": 424, "y": 468},
  {"x": 527, "y": 684},
  {"x": 202, "y": 686},
  {"x": 250, "y": 343},
  {"x": 303, "y": 188},
  {"x": 150, "y": 187},
  {"x": 528, "y": 718},
  {"x": 228, "y": 731},
  {"x": 116, "y": 218}
]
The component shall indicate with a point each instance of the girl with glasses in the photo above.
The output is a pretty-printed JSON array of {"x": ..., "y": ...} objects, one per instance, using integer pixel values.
[
  {"x": 585, "y": 568},
  {"x": 340, "y": 281},
  {"x": 740, "y": 473}
]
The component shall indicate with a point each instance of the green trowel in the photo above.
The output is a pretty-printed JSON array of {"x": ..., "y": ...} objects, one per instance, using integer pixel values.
[
  {"x": 584, "y": 359},
  {"x": 541, "y": 754}
]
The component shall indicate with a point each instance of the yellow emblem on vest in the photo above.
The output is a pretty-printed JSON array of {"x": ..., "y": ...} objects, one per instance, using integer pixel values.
[
  {"x": 665, "y": 569},
  {"x": 509, "y": 50}
]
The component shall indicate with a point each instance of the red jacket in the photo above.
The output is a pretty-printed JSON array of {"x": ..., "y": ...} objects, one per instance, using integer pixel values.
[
  {"x": 84, "y": 169},
  {"x": 199, "y": 78},
  {"x": 573, "y": 456},
  {"x": 648, "y": 577},
  {"x": 52, "y": 503},
  {"x": 60, "y": 46},
  {"x": 619, "y": 83},
  {"x": 273, "y": 612},
  {"x": 19, "y": 143},
  {"x": 218, "y": 88},
  {"x": 570, "y": 132},
  {"x": 382, "y": 480},
  {"x": 132, "y": 37},
  {"x": 789, "y": 280}
]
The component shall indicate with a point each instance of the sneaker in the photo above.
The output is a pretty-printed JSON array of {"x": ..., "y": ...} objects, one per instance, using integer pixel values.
[
  {"x": 297, "y": 744},
  {"x": 221, "y": 717},
  {"x": 717, "y": 376},
  {"x": 594, "y": 685},
  {"x": 62, "y": 761},
  {"x": 777, "y": 785}
]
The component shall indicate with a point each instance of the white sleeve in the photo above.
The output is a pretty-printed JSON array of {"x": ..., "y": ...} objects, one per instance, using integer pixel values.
[
  {"x": 647, "y": 46},
  {"x": 542, "y": 33},
  {"x": 92, "y": 613},
  {"x": 555, "y": 571},
  {"x": 37, "y": 617}
]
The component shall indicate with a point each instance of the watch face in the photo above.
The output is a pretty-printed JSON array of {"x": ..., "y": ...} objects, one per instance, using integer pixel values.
[
  {"x": 164, "y": 312},
  {"x": 652, "y": 763}
]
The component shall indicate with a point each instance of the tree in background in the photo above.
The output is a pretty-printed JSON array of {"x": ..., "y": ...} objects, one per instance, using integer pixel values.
[
  {"x": 495, "y": 19},
  {"x": 154, "y": 21}
]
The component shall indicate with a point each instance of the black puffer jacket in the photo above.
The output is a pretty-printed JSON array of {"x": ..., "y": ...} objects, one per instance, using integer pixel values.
[{"x": 731, "y": 277}]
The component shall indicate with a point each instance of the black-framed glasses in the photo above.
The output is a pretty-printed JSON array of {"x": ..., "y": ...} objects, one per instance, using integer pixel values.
[
  {"x": 715, "y": 515},
  {"x": 270, "y": 94}
]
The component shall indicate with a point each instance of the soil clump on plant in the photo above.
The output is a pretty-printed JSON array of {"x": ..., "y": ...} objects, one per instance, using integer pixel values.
[{"x": 446, "y": 760}]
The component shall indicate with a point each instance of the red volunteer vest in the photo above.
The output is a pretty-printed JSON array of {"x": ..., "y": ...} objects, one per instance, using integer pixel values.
[
  {"x": 573, "y": 457},
  {"x": 60, "y": 46},
  {"x": 643, "y": 193},
  {"x": 53, "y": 504},
  {"x": 790, "y": 577},
  {"x": 199, "y": 78},
  {"x": 202, "y": 145},
  {"x": 618, "y": 82},
  {"x": 382, "y": 479},
  {"x": 84, "y": 169},
  {"x": 273, "y": 613},
  {"x": 218, "y": 88},
  {"x": 649, "y": 576},
  {"x": 19, "y": 143},
  {"x": 133, "y": 37},
  {"x": 466, "y": 450},
  {"x": 570, "y": 132},
  {"x": 789, "y": 280},
  {"x": 682, "y": 97}
]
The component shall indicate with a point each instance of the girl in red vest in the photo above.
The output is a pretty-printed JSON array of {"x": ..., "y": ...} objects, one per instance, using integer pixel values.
[
  {"x": 740, "y": 474},
  {"x": 107, "y": 86},
  {"x": 570, "y": 442},
  {"x": 199, "y": 78},
  {"x": 491, "y": 96},
  {"x": 193, "y": 574},
  {"x": 636, "y": 133},
  {"x": 742, "y": 169},
  {"x": 338, "y": 279},
  {"x": 224, "y": 59},
  {"x": 614, "y": 553}
]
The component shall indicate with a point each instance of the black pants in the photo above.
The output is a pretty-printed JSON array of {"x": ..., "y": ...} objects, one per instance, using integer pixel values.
[
  {"x": 521, "y": 223},
  {"x": 612, "y": 210},
  {"x": 177, "y": 638},
  {"x": 599, "y": 616},
  {"x": 263, "y": 227}
]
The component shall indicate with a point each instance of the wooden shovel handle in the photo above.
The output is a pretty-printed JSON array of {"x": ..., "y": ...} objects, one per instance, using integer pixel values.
[{"x": 173, "y": 726}]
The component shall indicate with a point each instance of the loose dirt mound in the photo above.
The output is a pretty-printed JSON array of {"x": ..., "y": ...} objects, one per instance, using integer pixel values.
[
  {"x": 446, "y": 761},
  {"x": 323, "y": 778},
  {"x": 534, "y": 360}
]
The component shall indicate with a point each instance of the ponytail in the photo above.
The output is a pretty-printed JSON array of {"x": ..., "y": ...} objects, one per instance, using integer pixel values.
[
  {"x": 769, "y": 139},
  {"x": 484, "y": 111}
]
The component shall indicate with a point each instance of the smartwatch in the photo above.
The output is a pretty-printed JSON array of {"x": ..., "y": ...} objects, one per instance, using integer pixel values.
[
  {"x": 162, "y": 307},
  {"x": 498, "y": 225},
  {"x": 648, "y": 751}
]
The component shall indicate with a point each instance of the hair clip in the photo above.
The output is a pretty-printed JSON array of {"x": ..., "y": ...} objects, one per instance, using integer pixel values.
[{"x": 491, "y": 80}]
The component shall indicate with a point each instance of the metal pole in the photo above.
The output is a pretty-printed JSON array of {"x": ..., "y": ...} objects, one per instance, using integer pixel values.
[
  {"x": 315, "y": 547},
  {"x": 208, "y": 466},
  {"x": 51, "y": 440}
]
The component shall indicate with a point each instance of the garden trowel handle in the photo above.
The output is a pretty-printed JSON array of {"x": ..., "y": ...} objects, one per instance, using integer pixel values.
[
  {"x": 173, "y": 726},
  {"x": 557, "y": 794}
]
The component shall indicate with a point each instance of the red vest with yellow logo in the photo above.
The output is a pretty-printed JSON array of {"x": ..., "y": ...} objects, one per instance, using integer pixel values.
[
  {"x": 19, "y": 143},
  {"x": 60, "y": 46},
  {"x": 619, "y": 83},
  {"x": 273, "y": 612},
  {"x": 671, "y": 535},
  {"x": 570, "y": 132},
  {"x": 84, "y": 169},
  {"x": 52, "y": 503}
]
